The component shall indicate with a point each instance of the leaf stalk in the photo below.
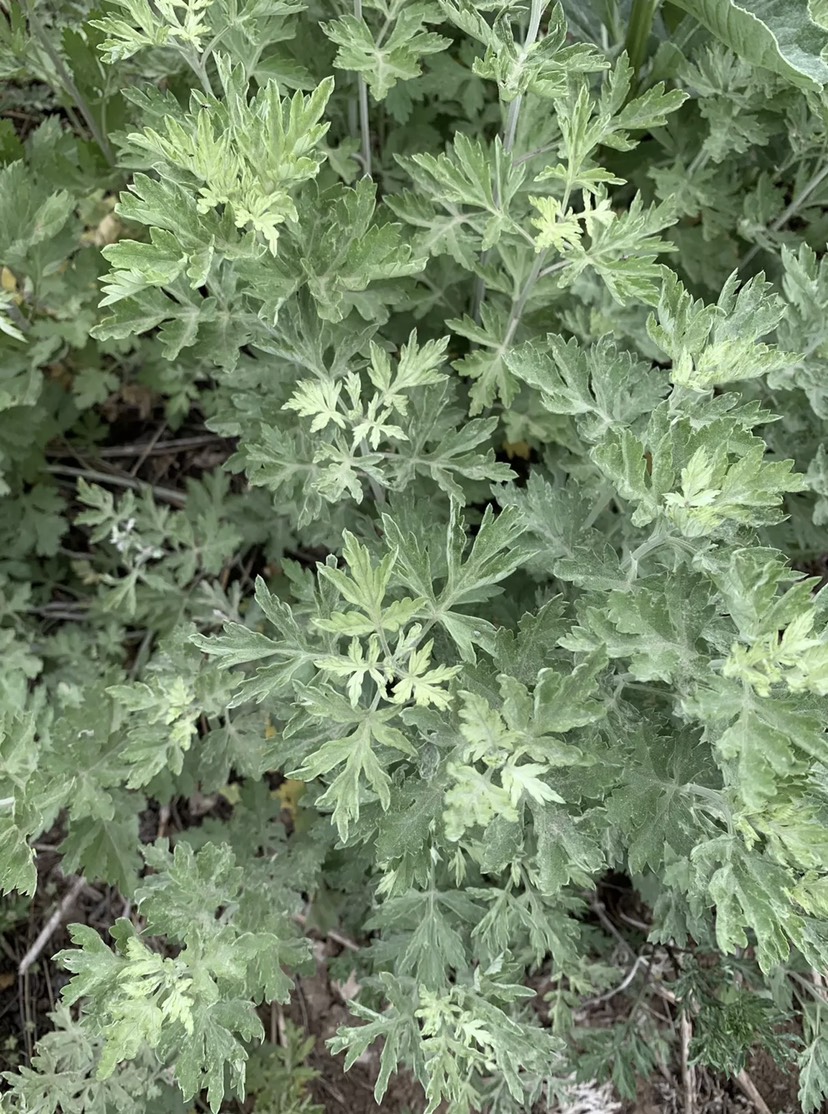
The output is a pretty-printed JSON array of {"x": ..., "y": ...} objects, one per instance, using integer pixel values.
[{"x": 364, "y": 118}]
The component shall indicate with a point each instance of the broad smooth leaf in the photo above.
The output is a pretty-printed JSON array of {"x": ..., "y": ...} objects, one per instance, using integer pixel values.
[{"x": 776, "y": 34}]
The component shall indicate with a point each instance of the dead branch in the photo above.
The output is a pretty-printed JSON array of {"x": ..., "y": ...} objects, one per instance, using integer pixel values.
[{"x": 56, "y": 919}]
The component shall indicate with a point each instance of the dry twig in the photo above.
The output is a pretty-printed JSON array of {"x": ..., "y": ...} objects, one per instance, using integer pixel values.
[
  {"x": 743, "y": 1079},
  {"x": 57, "y": 917},
  {"x": 162, "y": 494},
  {"x": 337, "y": 937},
  {"x": 144, "y": 448},
  {"x": 639, "y": 962},
  {"x": 688, "y": 1072},
  {"x": 750, "y": 1089},
  {"x": 149, "y": 446},
  {"x": 278, "y": 1032}
]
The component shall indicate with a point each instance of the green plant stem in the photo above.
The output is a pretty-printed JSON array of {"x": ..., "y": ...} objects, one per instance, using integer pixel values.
[
  {"x": 376, "y": 490},
  {"x": 716, "y": 800},
  {"x": 69, "y": 83},
  {"x": 364, "y": 119},
  {"x": 199, "y": 68},
  {"x": 605, "y": 497},
  {"x": 656, "y": 541},
  {"x": 537, "y": 272},
  {"x": 813, "y": 991},
  {"x": 519, "y": 306},
  {"x": 638, "y": 33},
  {"x": 365, "y": 127},
  {"x": 794, "y": 207},
  {"x": 533, "y": 154},
  {"x": 699, "y": 162},
  {"x": 559, "y": 266},
  {"x": 510, "y": 133}
]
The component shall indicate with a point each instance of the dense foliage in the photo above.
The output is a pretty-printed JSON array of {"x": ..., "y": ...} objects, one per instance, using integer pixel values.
[{"x": 514, "y": 321}]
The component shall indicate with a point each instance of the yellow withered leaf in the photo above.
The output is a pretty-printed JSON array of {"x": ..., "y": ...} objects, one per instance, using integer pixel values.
[
  {"x": 517, "y": 448},
  {"x": 231, "y": 793},
  {"x": 289, "y": 793}
]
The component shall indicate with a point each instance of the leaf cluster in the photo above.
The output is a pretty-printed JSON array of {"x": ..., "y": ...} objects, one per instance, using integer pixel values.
[{"x": 504, "y": 330}]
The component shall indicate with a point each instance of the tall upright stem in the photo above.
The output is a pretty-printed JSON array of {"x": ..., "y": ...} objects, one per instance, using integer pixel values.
[
  {"x": 198, "y": 66},
  {"x": 364, "y": 119},
  {"x": 510, "y": 128},
  {"x": 510, "y": 131},
  {"x": 68, "y": 82},
  {"x": 638, "y": 32},
  {"x": 519, "y": 305}
]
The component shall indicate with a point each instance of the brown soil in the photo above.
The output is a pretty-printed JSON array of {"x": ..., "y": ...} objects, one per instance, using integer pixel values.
[
  {"x": 778, "y": 1088},
  {"x": 715, "y": 1095},
  {"x": 319, "y": 1007}
]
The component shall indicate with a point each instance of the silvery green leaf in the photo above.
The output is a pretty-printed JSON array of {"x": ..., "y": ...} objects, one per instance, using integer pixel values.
[{"x": 779, "y": 35}]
